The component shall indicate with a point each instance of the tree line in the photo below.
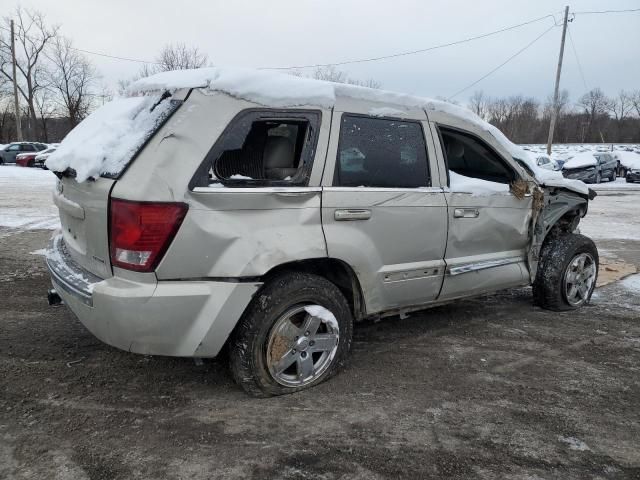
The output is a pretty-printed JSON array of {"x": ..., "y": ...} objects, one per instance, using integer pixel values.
[
  {"x": 593, "y": 118},
  {"x": 59, "y": 86}
]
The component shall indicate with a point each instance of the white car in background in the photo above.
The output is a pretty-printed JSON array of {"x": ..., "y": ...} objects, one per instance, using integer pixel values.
[{"x": 42, "y": 157}]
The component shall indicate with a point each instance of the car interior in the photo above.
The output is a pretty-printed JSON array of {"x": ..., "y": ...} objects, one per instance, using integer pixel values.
[
  {"x": 271, "y": 150},
  {"x": 468, "y": 156}
]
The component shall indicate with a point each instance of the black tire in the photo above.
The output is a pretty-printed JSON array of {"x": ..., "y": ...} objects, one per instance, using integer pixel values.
[
  {"x": 614, "y": 175},
  {"x": 248, "y": 345},
  {"x": 556, "y": 255},
  {"x": 629, "y": 180}
]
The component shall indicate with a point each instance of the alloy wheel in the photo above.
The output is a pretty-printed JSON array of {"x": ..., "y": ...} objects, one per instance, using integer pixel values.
[{"x": 579, "y": 279}]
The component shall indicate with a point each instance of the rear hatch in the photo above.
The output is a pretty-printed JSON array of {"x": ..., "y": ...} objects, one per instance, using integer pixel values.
[
  {"x": 89, "y": 162},
  {"x": 84, "y": 219}
]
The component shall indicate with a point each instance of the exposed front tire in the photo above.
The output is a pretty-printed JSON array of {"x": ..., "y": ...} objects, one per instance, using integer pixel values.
[
  {"x": 295, "y": 334},
  {"x": 567, "y": 272}
]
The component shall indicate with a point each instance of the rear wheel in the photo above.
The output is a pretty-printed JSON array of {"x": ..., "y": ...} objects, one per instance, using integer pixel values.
[
  {"x": 295, "y": 334},
  {"x": 614, "y": 175},
  {"x": 567, "y": 272}
]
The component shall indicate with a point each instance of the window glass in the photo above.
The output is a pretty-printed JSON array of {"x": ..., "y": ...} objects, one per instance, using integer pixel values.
[
  {"x": 27, "y": 148},
  {"x": 469, "y": 156},
  {"x": 263, "y": 150},
  {"x": 375, "y": 152},
  {"x": 13, "y": 148}
]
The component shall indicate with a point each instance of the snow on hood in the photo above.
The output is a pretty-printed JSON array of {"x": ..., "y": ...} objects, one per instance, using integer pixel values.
[
  {"x": 105, "y": 141},
  {"x": 628, "y": 159},
  {"x": 581, "y": 160}
]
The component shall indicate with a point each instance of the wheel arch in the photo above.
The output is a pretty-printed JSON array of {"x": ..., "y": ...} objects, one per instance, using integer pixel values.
[{"x": 338, "y": 272}]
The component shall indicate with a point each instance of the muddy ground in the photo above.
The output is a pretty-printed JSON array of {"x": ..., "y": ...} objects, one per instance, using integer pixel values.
[{"x": 485, "y": 388}]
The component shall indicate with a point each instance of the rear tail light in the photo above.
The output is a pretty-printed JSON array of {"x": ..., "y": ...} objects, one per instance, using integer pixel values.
[{"x": 140, "y": 232}]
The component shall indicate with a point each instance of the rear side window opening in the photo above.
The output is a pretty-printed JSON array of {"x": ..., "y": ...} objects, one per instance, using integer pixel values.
[
  {"x": 263, "y": 148},
  {"x": 471, "y": 157}
]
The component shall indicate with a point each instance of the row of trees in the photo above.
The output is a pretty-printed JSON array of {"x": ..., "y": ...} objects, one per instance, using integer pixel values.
[
  {"x": 593, "y": 118},
  {"x": 59, "y": 86}
]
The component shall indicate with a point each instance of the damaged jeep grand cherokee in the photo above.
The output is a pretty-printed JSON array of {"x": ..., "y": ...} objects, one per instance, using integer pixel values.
[{"x": 265, "y": 214}]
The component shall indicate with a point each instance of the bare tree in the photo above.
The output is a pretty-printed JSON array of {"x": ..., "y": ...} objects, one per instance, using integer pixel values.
[
  {"x": 332, "y": 74},
  {"x": 620, "y": 106},
  {"x": 478, "y": 104},
  {"x": 32, "y": 37},
  {"x": 635, "y": 101},
  {"x": 179, "y": 57},
  {"x": 72, "y": 77},
  {"x": 595, "y": 104}
]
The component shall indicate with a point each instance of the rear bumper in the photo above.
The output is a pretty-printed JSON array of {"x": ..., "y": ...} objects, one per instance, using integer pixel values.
[{"x": 175, "y": 318}]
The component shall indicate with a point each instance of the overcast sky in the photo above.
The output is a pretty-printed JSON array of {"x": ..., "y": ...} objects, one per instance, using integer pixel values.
[{"x": 294, "y": 32}]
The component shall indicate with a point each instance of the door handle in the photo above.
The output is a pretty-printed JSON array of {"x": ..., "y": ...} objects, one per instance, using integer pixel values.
[
  {"x": 466, "y": 213},
  {"x": 348, "y": 215}
]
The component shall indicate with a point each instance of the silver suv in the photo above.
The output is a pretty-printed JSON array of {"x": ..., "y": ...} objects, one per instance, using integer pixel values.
[{"x": 267, "y": 221}]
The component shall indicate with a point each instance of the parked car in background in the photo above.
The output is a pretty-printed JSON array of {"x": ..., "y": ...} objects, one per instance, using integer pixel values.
[
  {"x": 607, "y": 166},
  {"x": 42, "y": 157},
  {"x": 297, "y": 209},
  {"x": 590, "y": 167},
  {"x": 629, "y": 164},
  {"x": 9, "y": 153},
  {"x": 26, "y": 159},
  {"x": 547, "y": 163}
]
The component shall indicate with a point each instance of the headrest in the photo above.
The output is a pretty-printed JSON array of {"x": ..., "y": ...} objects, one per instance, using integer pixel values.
[
  {"x": 278, "y": 153},
  {"x": 455, "y": 150}
]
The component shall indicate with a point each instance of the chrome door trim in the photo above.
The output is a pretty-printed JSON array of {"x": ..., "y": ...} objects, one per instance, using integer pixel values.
[
  {"x": 384, "y": 190},
  {"x": 280, "y": 190},
  {"x": 474, "y": 267}
]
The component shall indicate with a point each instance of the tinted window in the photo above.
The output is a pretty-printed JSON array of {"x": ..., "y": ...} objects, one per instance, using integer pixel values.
[
  {"x": 375, "y": 152},
  {"x": 28, "y": 148},
  {"x": 469, "y": 156}
]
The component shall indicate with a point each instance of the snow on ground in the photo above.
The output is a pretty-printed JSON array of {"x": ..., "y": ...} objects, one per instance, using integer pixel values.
[
  {"x": 613, "y": 216},
  {"x": 25, "y": 199},
  {"x": 632, "y": 284}
]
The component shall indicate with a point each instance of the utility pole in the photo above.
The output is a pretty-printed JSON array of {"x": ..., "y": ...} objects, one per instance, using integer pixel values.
[
  {"x": 15, "y": 86},
  {"x": 554, "y": 111}
]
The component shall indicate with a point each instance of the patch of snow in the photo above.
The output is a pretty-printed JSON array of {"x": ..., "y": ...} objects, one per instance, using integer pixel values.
[
  {"x": 461, "y": 184},
  {"x": 237, "y": 176},
  {"x": 105, "y": 141},
  {"x": 42, "y": 251},
  {"x": 25, "y": 199},
  {"x": 216, "y": 185},
  {"x": 575, "y": 444},
  {"x": 632, "y": 283},
  {"x": 323, "y": 314},
  {"x": 581, "y": 160},
  {"x": 385, "y": 112}
]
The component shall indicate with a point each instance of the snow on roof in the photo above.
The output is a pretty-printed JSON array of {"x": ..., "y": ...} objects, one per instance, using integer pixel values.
[
  {"x": 628, "y": 159},
  {"x": 106, "y": 140}
]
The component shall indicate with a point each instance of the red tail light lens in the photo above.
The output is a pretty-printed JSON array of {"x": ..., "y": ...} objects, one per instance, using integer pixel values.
[{"x": 140, "y": 232}]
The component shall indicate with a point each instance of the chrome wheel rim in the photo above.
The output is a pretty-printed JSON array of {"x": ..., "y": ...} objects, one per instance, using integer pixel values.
[
  {"x": 302, "y": 345},
  {"x": 579, "y": 279}
]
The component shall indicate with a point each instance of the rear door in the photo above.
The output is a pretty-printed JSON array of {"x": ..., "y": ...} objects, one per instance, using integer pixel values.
[
  {"x": 488, "y": 225},
  {"x": 383, "y": 210}
]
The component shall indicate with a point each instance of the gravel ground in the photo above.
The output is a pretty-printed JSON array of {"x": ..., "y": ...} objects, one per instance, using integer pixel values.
[{"x": 485, "y": 388}]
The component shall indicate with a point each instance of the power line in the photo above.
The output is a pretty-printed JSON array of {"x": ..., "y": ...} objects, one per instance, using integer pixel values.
[
  {"x": 412, "y": 52},
  {"x": 503, "y": 63},
  {"x": 606, "y": 11},
  {"x": 115, "y": 57},
  {"x": 575, "y": 53}
]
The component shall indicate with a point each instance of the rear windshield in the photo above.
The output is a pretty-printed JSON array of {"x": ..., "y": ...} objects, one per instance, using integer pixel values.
[{"x": 107, "y": 140}]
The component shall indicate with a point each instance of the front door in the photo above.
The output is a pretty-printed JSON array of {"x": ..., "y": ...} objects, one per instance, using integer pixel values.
[
  {"x": 380, "y": 212},
  {"x": 488, "y": 224}
]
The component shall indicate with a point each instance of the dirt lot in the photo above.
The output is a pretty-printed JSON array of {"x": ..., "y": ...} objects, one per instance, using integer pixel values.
[{"x": 486, "y": 388}]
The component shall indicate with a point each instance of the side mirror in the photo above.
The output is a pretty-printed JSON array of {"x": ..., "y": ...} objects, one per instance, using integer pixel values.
[{"x": 540, "y": 162}]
